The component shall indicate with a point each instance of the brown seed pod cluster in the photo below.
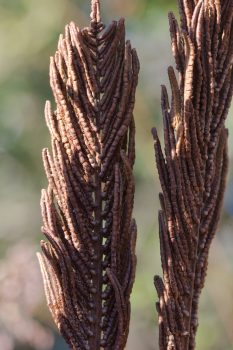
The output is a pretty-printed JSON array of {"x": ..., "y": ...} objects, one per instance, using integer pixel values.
[
  {"x": 193, "y": 169},
  {"x": 88, "y": 262}
]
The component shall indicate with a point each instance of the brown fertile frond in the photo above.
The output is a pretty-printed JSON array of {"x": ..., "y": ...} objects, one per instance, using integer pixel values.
[
  {"x": 88, "y": 263},
  {"x": 194, "y": 167}
]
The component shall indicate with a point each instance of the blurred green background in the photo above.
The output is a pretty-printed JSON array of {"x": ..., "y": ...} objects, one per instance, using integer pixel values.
[{"x": 29, "y": 31}]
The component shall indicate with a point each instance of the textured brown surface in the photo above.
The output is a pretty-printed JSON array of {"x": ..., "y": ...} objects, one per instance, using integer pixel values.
[
  {"x": 193, "y": 169},
  {"x": 88, "y": 263}
]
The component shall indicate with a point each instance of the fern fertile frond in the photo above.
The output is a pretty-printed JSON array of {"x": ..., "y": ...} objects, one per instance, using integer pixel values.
[{"x": 88, "y": 262}]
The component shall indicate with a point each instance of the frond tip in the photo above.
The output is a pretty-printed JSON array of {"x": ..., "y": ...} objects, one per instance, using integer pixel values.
[
  {"x": 88, "y": 262},
  {"x": 95, "y": 11}
]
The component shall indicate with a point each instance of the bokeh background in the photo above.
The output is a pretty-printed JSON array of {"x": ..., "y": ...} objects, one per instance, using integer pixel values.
[{"x": 29, "y": 31}]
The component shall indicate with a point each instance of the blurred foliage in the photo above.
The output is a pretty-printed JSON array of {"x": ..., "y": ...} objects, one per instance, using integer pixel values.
[{"x": 29, "y": 31}]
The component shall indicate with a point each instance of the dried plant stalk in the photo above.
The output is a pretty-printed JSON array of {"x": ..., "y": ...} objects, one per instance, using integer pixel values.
[
  {"x": 193, "y": 170},
  {"x": 88, "y": 263}
]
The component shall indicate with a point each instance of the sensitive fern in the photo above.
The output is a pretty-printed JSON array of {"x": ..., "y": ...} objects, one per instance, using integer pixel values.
[
  {"x": 88, "y": 263},
  {"x": 193, "y": 170}
]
